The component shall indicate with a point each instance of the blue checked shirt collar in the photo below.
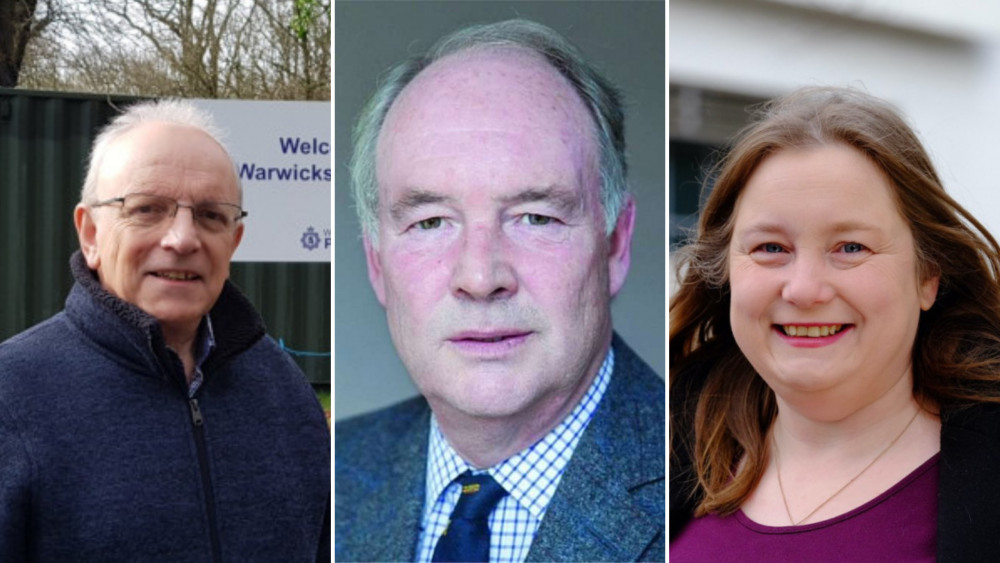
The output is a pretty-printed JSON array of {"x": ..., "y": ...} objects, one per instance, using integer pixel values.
[
  {"x": 206, "y": 343},
  {"x": 530, "y": 477}
]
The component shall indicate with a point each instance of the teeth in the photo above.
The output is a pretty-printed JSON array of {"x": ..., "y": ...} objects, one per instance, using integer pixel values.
[
  {"x": 179, "y": 276},
  {"x": 812, "y": 331}
]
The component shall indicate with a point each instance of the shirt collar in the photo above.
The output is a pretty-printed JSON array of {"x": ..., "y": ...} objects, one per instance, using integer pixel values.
[
  {"x": 203, "y": 347},
  {"x": 206, "y": 341},
  {"x": 531, "y": 475}
]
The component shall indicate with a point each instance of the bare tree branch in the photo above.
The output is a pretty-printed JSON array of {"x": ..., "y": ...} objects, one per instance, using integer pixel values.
[{"x": 268, "y": 49}]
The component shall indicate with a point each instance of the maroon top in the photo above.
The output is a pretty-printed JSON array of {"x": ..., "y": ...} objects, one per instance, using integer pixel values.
[{"x": 898, "y": 525}]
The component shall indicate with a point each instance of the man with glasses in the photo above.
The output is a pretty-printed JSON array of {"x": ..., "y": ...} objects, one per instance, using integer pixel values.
[{"x": 152, "y": 419}]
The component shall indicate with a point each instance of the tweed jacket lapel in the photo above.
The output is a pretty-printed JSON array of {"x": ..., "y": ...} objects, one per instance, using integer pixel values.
[
  {"x": 403, "y": 499},
  {"x": 389, "y": 510},
  {"x": 609, "y": 504}
]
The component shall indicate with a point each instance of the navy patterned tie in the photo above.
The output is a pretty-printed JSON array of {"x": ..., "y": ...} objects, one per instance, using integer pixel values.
[{"x": 467, "y": 537}]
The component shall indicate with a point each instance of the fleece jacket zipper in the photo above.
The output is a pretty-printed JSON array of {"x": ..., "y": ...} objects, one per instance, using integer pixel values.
[{"x": 206, "y": 478}]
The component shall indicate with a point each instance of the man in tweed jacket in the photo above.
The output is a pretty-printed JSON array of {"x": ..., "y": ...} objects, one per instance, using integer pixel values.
[{"x": 489, "y": 177}]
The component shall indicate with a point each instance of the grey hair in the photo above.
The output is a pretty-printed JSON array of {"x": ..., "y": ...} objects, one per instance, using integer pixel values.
[
  {"x": 179, "y": 112},
  {"x": 601, "y": 98}
]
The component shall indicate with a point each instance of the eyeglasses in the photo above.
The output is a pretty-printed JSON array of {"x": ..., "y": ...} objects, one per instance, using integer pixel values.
[{"x": 146, "y": 210}]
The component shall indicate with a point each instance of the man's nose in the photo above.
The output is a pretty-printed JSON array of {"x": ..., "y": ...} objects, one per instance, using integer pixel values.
[
  {"x": 808, "y": 281},
  {"x": 483, "y": 269},
  {"x": 182, "y": 234}
]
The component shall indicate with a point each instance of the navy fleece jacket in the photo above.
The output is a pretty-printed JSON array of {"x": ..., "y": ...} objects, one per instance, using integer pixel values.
[{"x": 103, "y": 457}]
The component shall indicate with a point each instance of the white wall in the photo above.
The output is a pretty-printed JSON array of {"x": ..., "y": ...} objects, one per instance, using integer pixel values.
[{"x": 938, "y": 62}]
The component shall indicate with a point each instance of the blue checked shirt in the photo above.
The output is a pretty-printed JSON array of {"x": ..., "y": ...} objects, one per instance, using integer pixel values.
[
  {"x": 206, "y": 342},
  {"x": 531, "y": 477}
]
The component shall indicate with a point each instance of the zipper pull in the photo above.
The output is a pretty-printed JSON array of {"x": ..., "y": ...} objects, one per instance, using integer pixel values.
[{"x": 196, "y": 413}]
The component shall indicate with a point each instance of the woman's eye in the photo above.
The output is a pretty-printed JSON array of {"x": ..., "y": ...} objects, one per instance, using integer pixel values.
[
  {"x": 771, "y": 248},
  {"x": 853, "y": 247},
  {"x": 428, "y": 224}
]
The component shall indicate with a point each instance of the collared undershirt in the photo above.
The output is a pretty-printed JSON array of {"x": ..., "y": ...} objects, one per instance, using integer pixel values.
[
  {"x": 530, "y": 477},
  {"x": 205, "y": 344}
]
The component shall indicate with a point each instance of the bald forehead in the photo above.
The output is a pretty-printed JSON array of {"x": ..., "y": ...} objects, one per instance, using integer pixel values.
[
  {"x": 490, "y": 88},
  {"x": 156, "y": 140},
  {"x": 151, "y": 146}
]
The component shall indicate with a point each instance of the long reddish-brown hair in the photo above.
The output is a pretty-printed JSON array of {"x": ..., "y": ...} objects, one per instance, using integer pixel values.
[{"x": 956, "y": 355}]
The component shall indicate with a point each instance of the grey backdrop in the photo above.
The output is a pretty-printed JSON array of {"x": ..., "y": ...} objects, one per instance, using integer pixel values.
[{"x": 625, "y": 40}]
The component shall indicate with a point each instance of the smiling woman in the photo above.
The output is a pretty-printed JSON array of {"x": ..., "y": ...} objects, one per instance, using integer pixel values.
[
  {"x": 818, "y": 242},
  {"x": 835, "y": 349}
]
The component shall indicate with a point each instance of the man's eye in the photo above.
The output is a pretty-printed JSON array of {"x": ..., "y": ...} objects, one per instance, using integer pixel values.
[
  {"x": 853, "y": 247},
  {"x": 148, "y": 209},
  {"x": 537, "y": 220},
  {"x": 428, "y": 224},
  {"x": 212, "y": 218},
  {"x": 210, "y": 215}
]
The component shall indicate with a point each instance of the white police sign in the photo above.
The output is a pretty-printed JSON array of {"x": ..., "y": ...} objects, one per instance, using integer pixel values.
[{"x": 283, "y": 157}]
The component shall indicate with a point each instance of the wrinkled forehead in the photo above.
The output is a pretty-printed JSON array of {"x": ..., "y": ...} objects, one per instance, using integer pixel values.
[
  {"x": 168, "y": 159},
  {"x": 500, "y": 92}
]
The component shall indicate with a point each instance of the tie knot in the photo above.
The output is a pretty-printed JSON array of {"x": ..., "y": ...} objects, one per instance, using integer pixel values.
[{"x": 480, "y": 495}]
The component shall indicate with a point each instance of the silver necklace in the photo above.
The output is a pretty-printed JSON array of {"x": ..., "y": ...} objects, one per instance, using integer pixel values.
[{"x": 777, "y": 467}]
